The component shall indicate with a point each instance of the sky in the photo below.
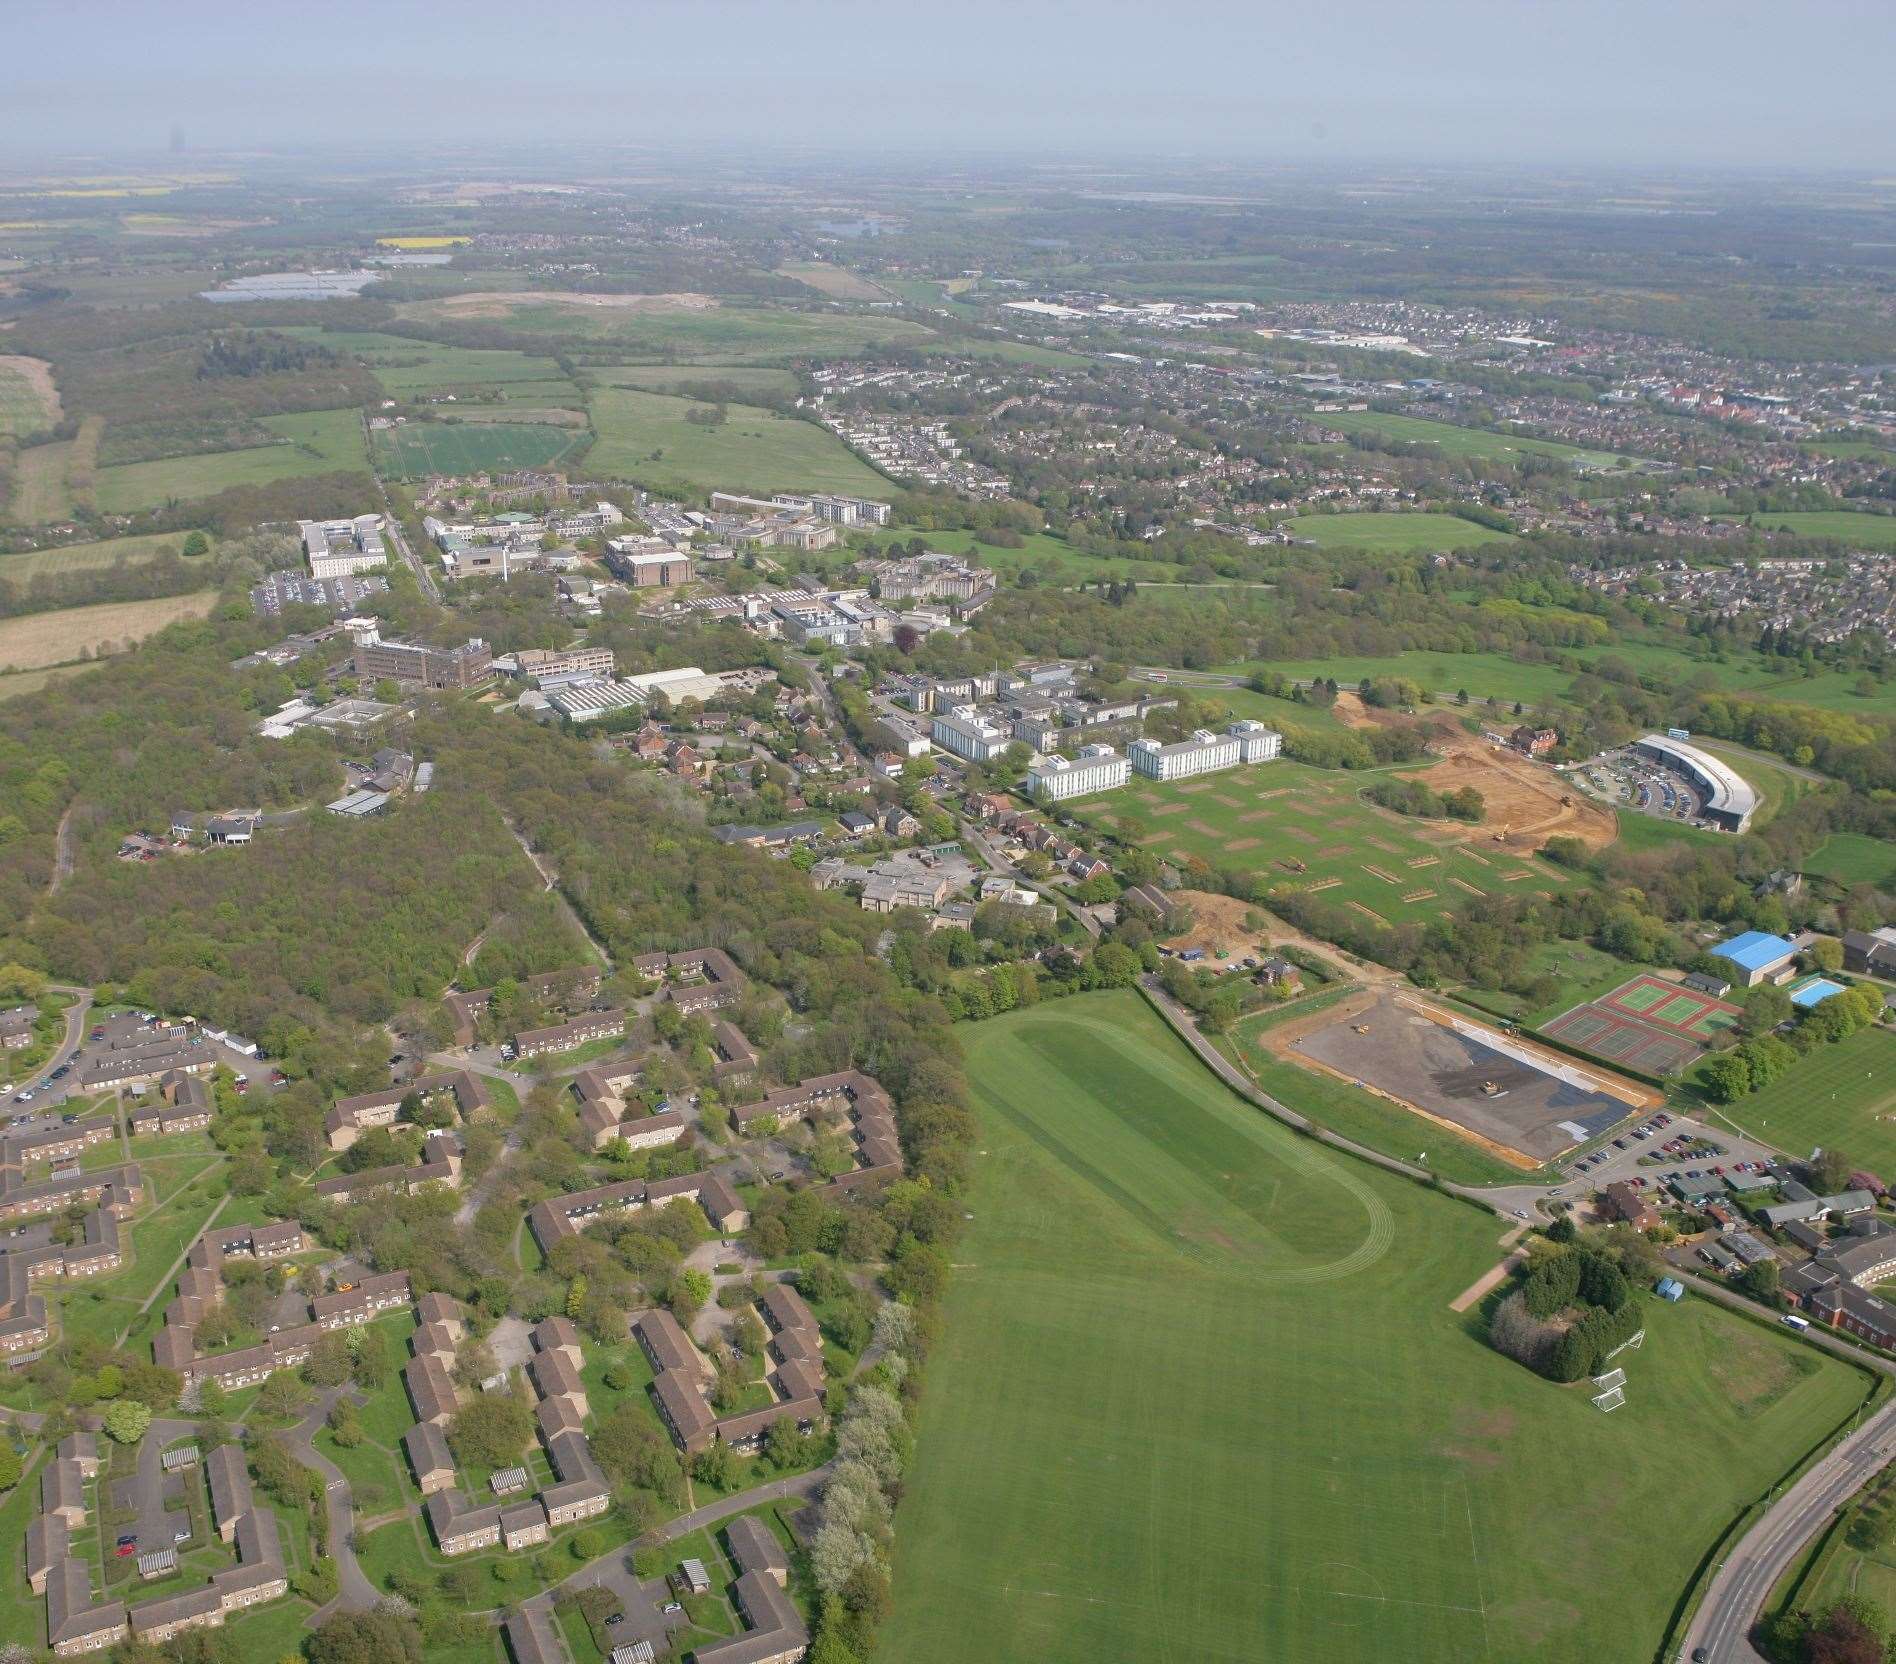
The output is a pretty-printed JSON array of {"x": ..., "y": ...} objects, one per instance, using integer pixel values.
[{"x": 1655, "y": 84}]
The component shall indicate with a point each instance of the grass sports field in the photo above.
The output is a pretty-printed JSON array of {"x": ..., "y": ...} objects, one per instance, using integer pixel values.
[
  {"x": 417, "y": 449},
  {"x": 1273, "y": 817},
  {"x": 46, "y": 638},
  {"x": 1454, "y": 441},
  {"x": 645, "y": 437},
  {"x": 1849, "y": 858},
  {"x": 314, "y": 442},
  {"x": 1401, "y": 532},
  {"x": 1836, "y": 1097},
  {"x": 1200, "y": 1396}
]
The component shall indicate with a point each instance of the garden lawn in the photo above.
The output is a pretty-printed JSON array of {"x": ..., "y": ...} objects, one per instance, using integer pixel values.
[
  {"x": 1835, "y": 1097},
  {"x": 315, "y": 442},
  {"x": 1266, "y": 819},
  {"x": 1199, "y": 1396},
  {"x": 645, "y": 437},
  {"x": 1402, "y": 533}
]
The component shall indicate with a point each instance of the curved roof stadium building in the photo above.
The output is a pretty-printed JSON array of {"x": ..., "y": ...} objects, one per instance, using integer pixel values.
[{"x": 1728, "y": 798}]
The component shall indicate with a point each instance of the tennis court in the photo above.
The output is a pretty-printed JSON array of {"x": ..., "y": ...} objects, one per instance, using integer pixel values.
[{"x": 1647, "y": 1024}]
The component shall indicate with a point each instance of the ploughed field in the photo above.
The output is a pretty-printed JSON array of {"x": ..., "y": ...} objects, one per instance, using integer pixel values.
[{"x": 1200, "y": 1395}]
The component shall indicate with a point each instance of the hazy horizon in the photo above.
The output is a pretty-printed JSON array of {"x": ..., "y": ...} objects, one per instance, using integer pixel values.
[{"x": 1609, "y": 83}]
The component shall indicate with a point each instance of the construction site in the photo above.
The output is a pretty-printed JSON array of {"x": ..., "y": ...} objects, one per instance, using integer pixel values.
[{"x": 1521, "y": 1102}]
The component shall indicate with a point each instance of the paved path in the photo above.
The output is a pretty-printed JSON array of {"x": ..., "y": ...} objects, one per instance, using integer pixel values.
[
  {"x": 63, "y": 849},
  {"x": 1494, "y": 1276},
  {"x": 476, "y": 1194},
  {"x": 164, "y": 1288},
  {"x": 1062, "y": 902},
  {"x": 551, "y": 879},
  {"x": 355, "y": 1592}
]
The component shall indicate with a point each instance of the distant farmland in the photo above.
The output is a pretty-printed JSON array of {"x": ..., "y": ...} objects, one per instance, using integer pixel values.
[
  {"x": 315, "y": 442},
  {"x": 47, "y": 638},
  {"x": 417, "y": 449}
]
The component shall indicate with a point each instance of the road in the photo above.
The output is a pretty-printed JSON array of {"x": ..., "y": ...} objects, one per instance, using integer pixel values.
[
  {"x": 1718, "y": 1632},
  {"x": 355, "y": 1592},
  {"x": 990, "y": 852},
  {"x": 477, "y": 1193},
  {"x": 642, "y": 1599},
  {"x": 1762, "y": 1554}
]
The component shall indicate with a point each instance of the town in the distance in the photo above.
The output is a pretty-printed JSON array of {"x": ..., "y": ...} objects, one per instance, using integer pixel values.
[{"x": 1068, "y": 910}]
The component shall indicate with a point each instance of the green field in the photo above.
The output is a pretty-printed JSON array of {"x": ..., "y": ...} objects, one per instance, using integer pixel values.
[
  {"x": 718, "y": 334},
  {"x": 1056, "y": 560},
  {"x": 1200, "y": 1396},
  {"x": 417, "y": 449},
  {"x": 1454, "y": 441},
  {"x": 662, "y": 378},
  {"x": 89, "y": 557},
  {"x": 645, "y": 437},
  {"x": 1852, "y": 858},
  {"x": 1836, "y": 1097},
  {"x": 1400, "y": 533},
  {"x": 411, "y": 369},
  {"x": 1266, "y": 819},
  {"x": 21, "y": 408},
  {"x": 1496, "y": 675},
  {"x": 1869, "y": 531},
  {"x": 39, "y": 484},
  {"x": 1777, "y": 787},
  {"x": 315, "y": 442}
]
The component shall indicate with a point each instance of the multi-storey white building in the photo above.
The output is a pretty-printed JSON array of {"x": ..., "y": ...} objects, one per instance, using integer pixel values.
[
  {"x": 1256, "y": 743},
  {"x": 342, "y": 548},
  {"x": 1206, "y": 752},
  {"x": 967, "y": 733},
  {"x": 1098, "y": 768}
]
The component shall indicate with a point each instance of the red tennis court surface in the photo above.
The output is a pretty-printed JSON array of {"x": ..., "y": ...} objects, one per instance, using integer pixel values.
[{"x": 1648, "y": 1024}]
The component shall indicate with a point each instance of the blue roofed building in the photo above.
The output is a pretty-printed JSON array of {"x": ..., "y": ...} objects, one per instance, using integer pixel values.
[{"x": 1758, "y": 956}]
